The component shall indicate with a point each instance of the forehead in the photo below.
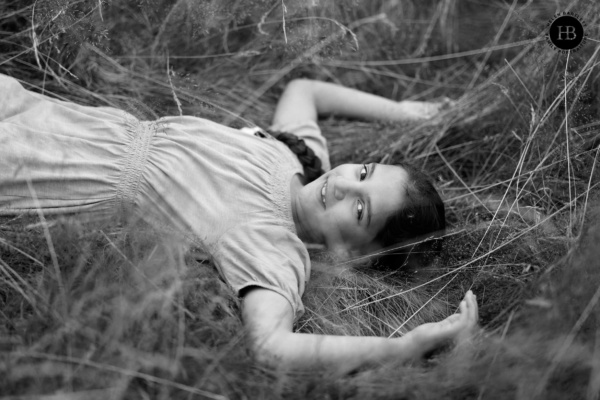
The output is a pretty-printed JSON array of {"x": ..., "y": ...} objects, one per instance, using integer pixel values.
[
  {"x": 395, "y": 176},
  {"x": 386, "y": 192}
]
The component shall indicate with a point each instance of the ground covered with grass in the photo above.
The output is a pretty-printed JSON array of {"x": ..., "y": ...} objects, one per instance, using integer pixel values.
[{"x": 123, "y": 312}]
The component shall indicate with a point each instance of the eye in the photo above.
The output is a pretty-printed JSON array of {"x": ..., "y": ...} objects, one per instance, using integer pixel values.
[
  {"x": 363, "y": 172},
  {"x": 359, "y": 210}
]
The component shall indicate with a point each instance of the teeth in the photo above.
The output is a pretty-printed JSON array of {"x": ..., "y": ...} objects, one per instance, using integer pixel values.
[{"x": 323, "y": 193}]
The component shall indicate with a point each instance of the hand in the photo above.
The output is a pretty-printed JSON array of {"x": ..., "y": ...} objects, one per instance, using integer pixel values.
[
  {"x": 422, "y": 110},
  {"x": 458, "y": 327}
]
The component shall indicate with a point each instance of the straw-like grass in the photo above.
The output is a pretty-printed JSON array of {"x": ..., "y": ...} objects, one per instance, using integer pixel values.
[{"x": 98, "y": 312}]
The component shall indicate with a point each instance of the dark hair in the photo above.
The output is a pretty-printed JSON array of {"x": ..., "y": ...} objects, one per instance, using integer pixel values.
[
  {"x": 310, "y": 162},
  {"x": 413, "y": 233}
]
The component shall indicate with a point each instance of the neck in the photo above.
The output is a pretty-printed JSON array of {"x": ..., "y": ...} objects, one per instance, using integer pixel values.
[{"x": 296, "y": 185}]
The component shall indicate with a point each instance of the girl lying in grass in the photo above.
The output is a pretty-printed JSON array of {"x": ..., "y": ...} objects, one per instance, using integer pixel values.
[{"x": 246, "y": 199}]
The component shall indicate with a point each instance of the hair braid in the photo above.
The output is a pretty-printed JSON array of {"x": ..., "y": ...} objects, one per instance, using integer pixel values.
[{"x": 307, "y": 157}]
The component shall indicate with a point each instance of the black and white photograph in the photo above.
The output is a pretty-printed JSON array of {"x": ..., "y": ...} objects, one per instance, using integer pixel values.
[{"x": 299, "y": 199}]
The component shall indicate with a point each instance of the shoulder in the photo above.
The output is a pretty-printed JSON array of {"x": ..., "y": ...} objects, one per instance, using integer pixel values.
[
  {"x": 268, "y": 256},
  {"x": 270, "y": 242},
  {"x": 309, "y": 131}
]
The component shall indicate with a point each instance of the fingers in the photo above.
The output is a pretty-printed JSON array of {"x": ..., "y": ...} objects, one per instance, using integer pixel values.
[
  {"x": 469, "y": 313},
  {"x": 464, "y": 307},
  {"x": 458, "y": 327},
  {"x": 475, "y": 309},
  {"x": 472, "y": 309},
  {"x": 424, "y": 109},
  {"x": 447, "y": 103}
]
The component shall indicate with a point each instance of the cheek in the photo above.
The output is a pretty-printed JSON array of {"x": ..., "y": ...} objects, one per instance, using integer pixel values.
[
  {"x": 339, "y": 217},
  {"x": 349, "y": 231},
  {"x": 333, "y": 223}
]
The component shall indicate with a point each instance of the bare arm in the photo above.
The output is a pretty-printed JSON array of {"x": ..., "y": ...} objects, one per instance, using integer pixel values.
[
  {"x": 269, "y": 319},
  {"x": 307, "y": 100}
]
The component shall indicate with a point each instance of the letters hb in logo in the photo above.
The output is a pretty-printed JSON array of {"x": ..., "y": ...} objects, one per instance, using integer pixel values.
[{"x": 566, "y": 32}]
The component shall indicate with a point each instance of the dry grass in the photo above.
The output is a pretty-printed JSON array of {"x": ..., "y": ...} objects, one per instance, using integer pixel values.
[{"x": 95, "y": 312}]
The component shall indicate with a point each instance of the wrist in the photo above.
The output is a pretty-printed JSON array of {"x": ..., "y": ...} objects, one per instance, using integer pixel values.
[
  {"x": 413, "y": 345},
  {"x": 427, "y": 337},
  {"x": 407, "y": 110}
]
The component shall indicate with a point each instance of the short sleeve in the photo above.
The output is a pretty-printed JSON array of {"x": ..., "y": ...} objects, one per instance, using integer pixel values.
[
  {"x": 311, "y": 133},
  {"x": 267, "y": 256}
]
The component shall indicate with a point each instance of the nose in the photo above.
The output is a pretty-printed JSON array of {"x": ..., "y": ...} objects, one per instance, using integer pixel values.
[{"x": 344, "y": 187}]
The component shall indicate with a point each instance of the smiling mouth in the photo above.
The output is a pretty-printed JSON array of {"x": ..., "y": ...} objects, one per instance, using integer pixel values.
[{"x": 323, "y": 193}]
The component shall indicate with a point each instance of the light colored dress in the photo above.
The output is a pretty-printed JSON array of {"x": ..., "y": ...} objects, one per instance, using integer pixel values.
[{"x": 228, "y": 191}]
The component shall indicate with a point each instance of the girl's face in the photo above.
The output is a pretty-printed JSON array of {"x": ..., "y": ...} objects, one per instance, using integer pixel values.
[{"x": 347, "y": 207}]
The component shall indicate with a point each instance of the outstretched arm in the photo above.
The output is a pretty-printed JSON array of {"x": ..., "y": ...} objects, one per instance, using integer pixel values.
[
  {"x": 269, "y": 319},
  {"x": 305, "y": 99}
]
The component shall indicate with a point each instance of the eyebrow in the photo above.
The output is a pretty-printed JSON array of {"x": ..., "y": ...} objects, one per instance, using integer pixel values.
[{"x": 373, "y": 165}]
